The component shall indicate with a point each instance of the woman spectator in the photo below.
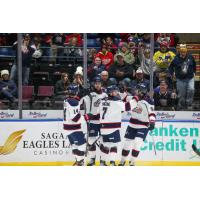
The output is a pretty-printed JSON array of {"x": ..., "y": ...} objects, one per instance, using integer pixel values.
[
  {"x": 95, "y": 68},
  {"x": 61, "y": 87}
]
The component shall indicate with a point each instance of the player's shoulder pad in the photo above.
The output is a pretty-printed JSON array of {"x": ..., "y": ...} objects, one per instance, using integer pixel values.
[{"x": 73, "y": 102}]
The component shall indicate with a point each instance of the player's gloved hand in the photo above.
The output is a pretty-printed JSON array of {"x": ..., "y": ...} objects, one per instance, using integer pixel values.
[
  {"x": 151, "y": 126},
  {"x": 87, "y": 117}
]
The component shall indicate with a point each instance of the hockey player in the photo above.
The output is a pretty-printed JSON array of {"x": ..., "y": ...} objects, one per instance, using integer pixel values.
[
  {"x": 72, "y": 125},
  {"x": 110, "y": 110},
  {"x": 124, "y": 92},
  {"x": 91, "y": 104},
  {"x": 142, "y": 120}
]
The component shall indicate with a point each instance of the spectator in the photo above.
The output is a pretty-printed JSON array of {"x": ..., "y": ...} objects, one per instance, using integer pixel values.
[
  {"x": 78, "y": 80},
  {"x": 73, "y": 49},
  {"x": 72, "y": 36},
  {"x": 121, "y": 71},
  {"x": 95, "y": 68},
  {"x": 106, "y": 56},
  {"x": 37, "y": 46},
  {"x": 139, "y": 80},
  {"x": 8, "y": 88},
  {"x": 163, "y": 57},
  {"x": 128, "y": 56},
  {"x": 27, "y": 52},
  {"x": 61, "y": 87},
  {"x": 144, "y": 57},
  {"x": 105, "y": 79},
  {"x": 163, "y": 76},
  {"x": 57, "y": 44},
  {"x": 91, "y": 55},
  {"x": 164, "y": 99},
  {"x": 109, "y": 43},
  {"x": 183, "y": 68}
]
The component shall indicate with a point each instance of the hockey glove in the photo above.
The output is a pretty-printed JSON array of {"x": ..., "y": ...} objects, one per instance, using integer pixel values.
[{"x": 151, "y": 126}]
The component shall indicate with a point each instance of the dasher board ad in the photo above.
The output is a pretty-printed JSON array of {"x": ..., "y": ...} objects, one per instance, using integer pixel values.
[{"x": 45, "y": 143}]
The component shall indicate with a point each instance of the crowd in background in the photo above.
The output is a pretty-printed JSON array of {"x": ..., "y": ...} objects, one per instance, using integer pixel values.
[{"x": 123, "y": 61}]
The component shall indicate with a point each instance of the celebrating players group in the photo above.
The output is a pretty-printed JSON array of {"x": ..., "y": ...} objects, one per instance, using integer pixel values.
[{"x": 102, "y": 110}]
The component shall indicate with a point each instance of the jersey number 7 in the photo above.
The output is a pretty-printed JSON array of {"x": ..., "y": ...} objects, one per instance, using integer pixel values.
[{"x": 104, "y": 112}]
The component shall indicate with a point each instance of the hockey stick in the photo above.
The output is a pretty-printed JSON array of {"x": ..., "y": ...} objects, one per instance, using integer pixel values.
[
  {"x": 154, "y": 146},
  {"x": 195, "y": 149}
]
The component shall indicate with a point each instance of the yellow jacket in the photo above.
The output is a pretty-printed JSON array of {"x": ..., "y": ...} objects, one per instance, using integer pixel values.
[{"x": 163, "y": 60}]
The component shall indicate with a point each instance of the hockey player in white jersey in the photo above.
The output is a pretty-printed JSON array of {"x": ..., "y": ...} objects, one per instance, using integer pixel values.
[
  {"x": 110, "y": 110},
  {"x": 72, "y": 125},
  {"x": 142, "y": 120},
  {"x": 91, "y": 103},
  {"x": 124, "y": 93}
]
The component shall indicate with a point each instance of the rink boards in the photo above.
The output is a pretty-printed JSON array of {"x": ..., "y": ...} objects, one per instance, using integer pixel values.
[{"x": 43, "y": 142}]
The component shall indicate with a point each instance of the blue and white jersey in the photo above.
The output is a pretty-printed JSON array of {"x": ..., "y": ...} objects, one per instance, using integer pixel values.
[
  {"x": 143, "y": 114},
  {"x": 111, "y": 114},
  {"x": 72, "y": 117},
  {"x": 91, "y": 104}
]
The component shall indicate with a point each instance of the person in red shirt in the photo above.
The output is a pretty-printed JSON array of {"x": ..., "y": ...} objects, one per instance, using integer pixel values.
[
  {"x": 72, "y": 35},
  {"x": 106, "y": 56}
]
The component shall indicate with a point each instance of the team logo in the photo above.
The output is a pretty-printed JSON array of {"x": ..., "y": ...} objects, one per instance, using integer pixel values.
[{"x": 11, "y": 143}]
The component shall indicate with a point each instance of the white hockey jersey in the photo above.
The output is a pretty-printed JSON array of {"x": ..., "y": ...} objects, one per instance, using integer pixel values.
[
  {"x": 72, "y": 118},
  {"x": 111, "y": 114},
  {"x": 125, "y": 97},
  {"x": 91, "y": 104},
  {"x": 142, "y": 115}
]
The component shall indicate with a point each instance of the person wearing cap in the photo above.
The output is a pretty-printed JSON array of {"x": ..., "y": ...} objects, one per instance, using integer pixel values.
[
  {"x": 120, "y": 70},
  {"x": 183, "y": 68},
  {"x": 139, "y": 79},
  {"x": 124, "y": 50},
  {"x": 8, "y": 88},
  {"x": 164, "y": 99},
  {"x": 106, "y": 56},
  {"x": 163, "y": 57}
]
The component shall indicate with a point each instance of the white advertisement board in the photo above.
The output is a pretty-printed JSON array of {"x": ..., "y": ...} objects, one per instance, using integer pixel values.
[{"x": 37, "y": 141}]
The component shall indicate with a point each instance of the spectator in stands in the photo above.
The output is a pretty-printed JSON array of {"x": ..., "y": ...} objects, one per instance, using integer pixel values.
[
  {"x": 120, "y": 70},
  {"x": 61, "y": 87},
  {"x": 37, "y": 46},
  {"x": 171, "y": 38},
  {"x": 8, "y": 88},
  {"x": 57, "y": 44},
  {"x": 139, "y": 80},
  {"x": 163, "y": 76},
  {"x": 183, "y": 68},
  {"x": 72, "y": 48},
  {"x": 105, "y": 79},
  {"x": 95, "y": 68},
  {"x": 106, "y": 56},
  {"x": 109, "y": 43},
  {"x": 27, "y": 52},
  {"x": 163, "y": 57},
  {"x": 164, "y": 99},
  {"x": 145, "y": 62},
  {"x": 91, "y": 55},
  {"x": 72, "y": 36},
  {"x": 124, "y": 50}
]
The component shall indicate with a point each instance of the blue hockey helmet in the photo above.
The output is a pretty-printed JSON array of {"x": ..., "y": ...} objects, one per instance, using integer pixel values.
[
  {"x": 73, "y": 89},
  {"x": 97, "y": 79},
  {"x": 112, "y": 88},
  {"x": 141, "y": 88}
]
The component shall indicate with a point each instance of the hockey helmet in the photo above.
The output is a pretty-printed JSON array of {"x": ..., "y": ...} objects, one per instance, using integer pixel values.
[
  {"x": 73, "y": 89},
  {"x": 141, "y": 88},
  {"x": 112, "y": 88}
]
